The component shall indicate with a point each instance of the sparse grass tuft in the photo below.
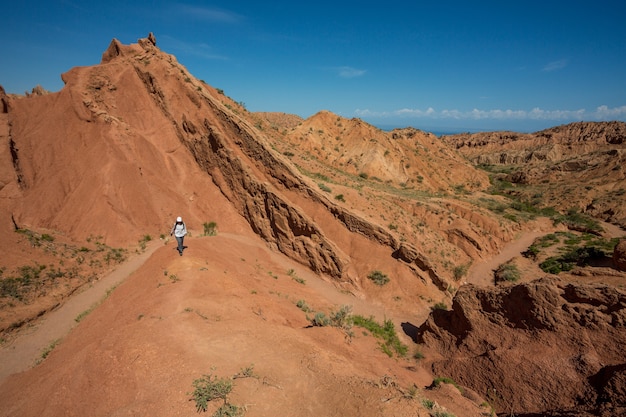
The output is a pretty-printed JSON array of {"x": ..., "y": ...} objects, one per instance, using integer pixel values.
[
  {"x": 210, "y": 229},
  {"x": 209, "y": 388},
  {"x": 387, "y": 332},
  {"x": 378, "y": 278},
  {"x": 507, "y": 272},
  {"x": 445, "y": 380},
  {"x": 439, "y": 306}
]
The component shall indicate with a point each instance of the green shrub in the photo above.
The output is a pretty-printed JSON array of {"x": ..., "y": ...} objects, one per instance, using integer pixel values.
[
  {"x": 378, "y": 277},
  {"x": 210, "y": 229},
  {"x": 460, "y": 271},
  {"x": 578, "y": 221},
  {"x": 445, "y": 380},
  {"x": 302, "y": 305},
  {"x": 320, "y": 320},
  {"x": 209, "y": 388},
  {"x": 566, "y": 262},
  {"x": 342, "y": 317},
  {"x": 228, "y": 410},
  {"x": 340, "y": 197},
  {"x": 428, "y": 404},
  {"x": 531, "y": 252},
  {"x": 324, "y": 187},
  {"x": 507, "y": 272},
  {"x": 387, "y": 332},
  {"x": 439, "y": 306}
]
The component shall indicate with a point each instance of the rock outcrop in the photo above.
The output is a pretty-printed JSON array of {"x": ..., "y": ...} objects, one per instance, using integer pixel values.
[
  {"x": 619, "y": 255},
  {"x": 535, "y": 348}
]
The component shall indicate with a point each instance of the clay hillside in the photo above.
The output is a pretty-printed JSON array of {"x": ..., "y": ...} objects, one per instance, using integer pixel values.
[
  {"x": 331, "y": 268},
  {"x": 578, "y": 166}
]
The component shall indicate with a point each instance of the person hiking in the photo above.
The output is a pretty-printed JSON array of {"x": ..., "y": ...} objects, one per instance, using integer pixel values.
[{"x": 179, "y": 231}]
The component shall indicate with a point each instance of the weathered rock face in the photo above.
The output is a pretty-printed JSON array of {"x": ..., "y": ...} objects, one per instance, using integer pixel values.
[
  {"x": 542, "y": 347},
  {"x": 619, "y": 255},
  {"x": 576, "y": 165}
]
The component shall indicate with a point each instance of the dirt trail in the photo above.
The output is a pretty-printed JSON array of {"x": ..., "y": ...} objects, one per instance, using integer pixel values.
[
  {"x": 481, "y": 273},
  {"x": 23, "y": 352}
]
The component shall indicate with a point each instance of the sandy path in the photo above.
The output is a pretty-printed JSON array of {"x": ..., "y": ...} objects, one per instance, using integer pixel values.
[
  {"x": 481, "y": 273},
  {"x": 23, "y": 352}
]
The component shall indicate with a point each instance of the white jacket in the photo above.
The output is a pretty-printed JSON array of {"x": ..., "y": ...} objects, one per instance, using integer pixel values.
[{"x": 179, "y": 229}]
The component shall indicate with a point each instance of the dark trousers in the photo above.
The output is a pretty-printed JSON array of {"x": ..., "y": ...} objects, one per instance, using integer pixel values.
[{"x": 180, "y": 243}]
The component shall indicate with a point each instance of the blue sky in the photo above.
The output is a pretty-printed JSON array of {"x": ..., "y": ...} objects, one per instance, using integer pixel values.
[{"x": 441, "y": 66}]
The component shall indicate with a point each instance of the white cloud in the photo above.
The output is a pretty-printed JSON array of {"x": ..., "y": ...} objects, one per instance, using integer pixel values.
[
  {"x": 209, "y": 13},
  {"x": 201, "y": 49},
  {"x": 349, "y": 72},
  {"x": 555, "y": 65},
  {"x": 601, "y": 113},
  {"x": 604, "y": 113}
]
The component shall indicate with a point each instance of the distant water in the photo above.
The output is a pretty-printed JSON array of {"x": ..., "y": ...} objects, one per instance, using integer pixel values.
[{"x": 434, "y": 131}]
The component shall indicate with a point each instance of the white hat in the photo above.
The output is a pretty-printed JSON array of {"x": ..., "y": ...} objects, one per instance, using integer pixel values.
[{"x": 179, "y": 219}]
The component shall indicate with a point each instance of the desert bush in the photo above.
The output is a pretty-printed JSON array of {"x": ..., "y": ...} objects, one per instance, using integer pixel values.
[
  {"x": 340, "y": 197},
  {"x": 428, "y": 404},
  {"x": 295, "y": 277},
  {"x": 507, "y": 272},
  {"x": 460, "y": 271},
  {"x": 302, "y": 305},
  {"x": 378, "y": 278},
  {"x": 387, "y": 332},
  {"x": 439, "y": 306},
  {"x": 324, "y": 187},
  {"x": 320, "y": 320},
  {"x": 144, "y": 241},
  {"x": 228, "y": 410},
  {"x": 209, "y": 388},
  {"x": 579, "y": 221},
  {"x": 342, "y": 318},
  {"x": 117, "y": 255},
  {"x": 210, "y": 229},
  {"x": 578, "y": 256},
  {"x": 445, "y": 380}
]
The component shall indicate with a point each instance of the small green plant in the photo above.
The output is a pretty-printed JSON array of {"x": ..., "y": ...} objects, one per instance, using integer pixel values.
[
  {"x": 340, "y": 197},
  {"x": 302, "y": 305},
  {"x": 439, "y": 306},
  {"x": 387, "y": 332},
  {"x": 46, "y": 351},
  {"x": 210, "y": 229},
  {"x": 247, "y": 372},
  {"x": 378, "y": 278},
  {"x": 117, "y": 255},
  {"x": 507, "y": 272},
  {"x": 295, "y": 277},
  {"x": 578, "y": 256},
  {"x": 228, "y": 410},
  {"x": 324, "y": 187},
  {"x": 445, "y": 380},
  {"x": 320, "y": 320},
  {"x": 342, "y": 318},
  {"x": 460, "y": 271},
  {"x": 209, "y": 388},
  {"x": 411, "y": 392},
  {"x": 428, "y": 404},
  {"x": 418, "y": 355},
  {"x": 85, "y": 313},
  {"x": 144, "y": 241}
]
